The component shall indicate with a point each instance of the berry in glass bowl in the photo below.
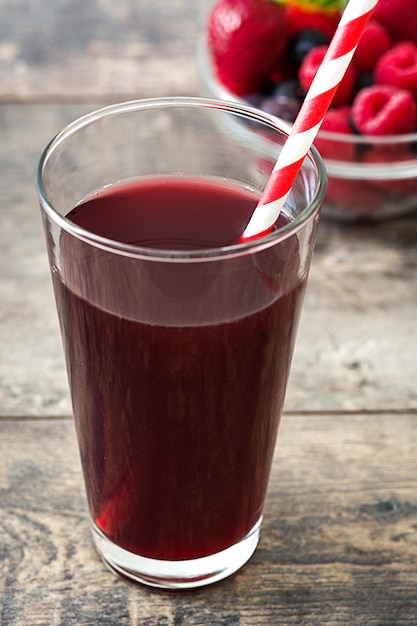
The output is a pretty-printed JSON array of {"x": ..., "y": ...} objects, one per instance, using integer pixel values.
[{"x": 266, "y": 53}]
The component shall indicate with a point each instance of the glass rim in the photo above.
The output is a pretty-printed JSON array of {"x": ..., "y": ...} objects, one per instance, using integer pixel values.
[{"x": 199, "y": 254}]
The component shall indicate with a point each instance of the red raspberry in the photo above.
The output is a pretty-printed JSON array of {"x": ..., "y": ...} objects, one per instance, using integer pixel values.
[
  {"x": 403, "y": 190},
  {"x": 354, "y": 197},
  {"x": 308, "y": 70},
  {"x": 398, "y": 67},
  {"x": 399, "y": 17},
  {"x": 336, "y": 121},
  {"x": 388, "y": 154},
  {"x": 384, "y": 110},
  {"x": 247, "y": 39},
  {"x": 375, "y": 41}
]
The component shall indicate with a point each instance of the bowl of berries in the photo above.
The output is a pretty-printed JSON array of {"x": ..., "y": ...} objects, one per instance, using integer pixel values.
[{"x": 266, "y": 53}]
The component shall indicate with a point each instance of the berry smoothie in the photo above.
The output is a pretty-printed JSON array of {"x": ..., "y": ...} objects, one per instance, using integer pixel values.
[{"x": 177, "y": 370}]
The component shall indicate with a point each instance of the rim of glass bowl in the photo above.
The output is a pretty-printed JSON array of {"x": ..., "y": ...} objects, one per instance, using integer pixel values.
[
  {"x": 343, "y": 169},
  {"x": 205, "y": 254}
]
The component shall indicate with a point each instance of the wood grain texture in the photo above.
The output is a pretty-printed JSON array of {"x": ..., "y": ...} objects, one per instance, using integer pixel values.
[
  {"x": 338, "y": 545},
  {"x": 98, "y": 49},
  {"x": 356, "y": 346},
  {"x": 32, "y": 375}
]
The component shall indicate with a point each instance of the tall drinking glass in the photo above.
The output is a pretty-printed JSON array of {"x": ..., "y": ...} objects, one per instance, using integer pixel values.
[{"x": 178, "y": 338}]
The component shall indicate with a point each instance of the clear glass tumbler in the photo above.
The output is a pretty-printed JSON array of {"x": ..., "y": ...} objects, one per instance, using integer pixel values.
[{"x": 178, "y": 337}]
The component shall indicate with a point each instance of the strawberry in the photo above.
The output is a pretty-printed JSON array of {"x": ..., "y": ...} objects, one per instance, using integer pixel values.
[
  {"x": 399, "y": 17},
  {"x": 398, "y": 67},
  {"x": 247, "y": 39},
  {"x": 309, "y": 68},
  {"x": 375, "y": 41}
]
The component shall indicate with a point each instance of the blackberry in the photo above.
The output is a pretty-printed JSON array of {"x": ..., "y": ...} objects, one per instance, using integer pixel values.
[
  {"x": 303, "y": 42},
  {"x": 282, "y": 107}
]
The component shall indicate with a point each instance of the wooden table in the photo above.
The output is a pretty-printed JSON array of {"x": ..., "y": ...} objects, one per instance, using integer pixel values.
[{"x": 339, "y": 541}]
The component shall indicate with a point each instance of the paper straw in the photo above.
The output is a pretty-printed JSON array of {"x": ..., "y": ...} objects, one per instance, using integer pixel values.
[{"x": 310, "y": 117}]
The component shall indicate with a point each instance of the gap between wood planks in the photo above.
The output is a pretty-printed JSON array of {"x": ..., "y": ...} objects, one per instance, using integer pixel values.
[{"x": 315, "y": 413}]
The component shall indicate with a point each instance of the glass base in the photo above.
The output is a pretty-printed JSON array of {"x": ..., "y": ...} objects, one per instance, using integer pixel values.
[{"x": 187, "y": 574}]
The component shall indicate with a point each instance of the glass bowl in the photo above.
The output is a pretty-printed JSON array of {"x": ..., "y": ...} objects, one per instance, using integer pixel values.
[{"x": 369, "y": 178}]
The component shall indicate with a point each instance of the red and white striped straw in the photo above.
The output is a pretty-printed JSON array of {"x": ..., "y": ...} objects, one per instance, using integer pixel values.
[{"x": 310, "y": 117}]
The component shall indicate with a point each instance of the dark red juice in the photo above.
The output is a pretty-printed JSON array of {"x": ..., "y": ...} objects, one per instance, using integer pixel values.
[{"x": 177, "y": 370}]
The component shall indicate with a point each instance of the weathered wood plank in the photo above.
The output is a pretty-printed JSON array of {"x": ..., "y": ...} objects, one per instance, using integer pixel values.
[
  {"x": 358, "y": 334},
  {"x": 98, "y": 48},
  {"x": 356, "y": 345},
  {"x": 338, "y": 547},
  {"x": 31, "y": 365}
]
